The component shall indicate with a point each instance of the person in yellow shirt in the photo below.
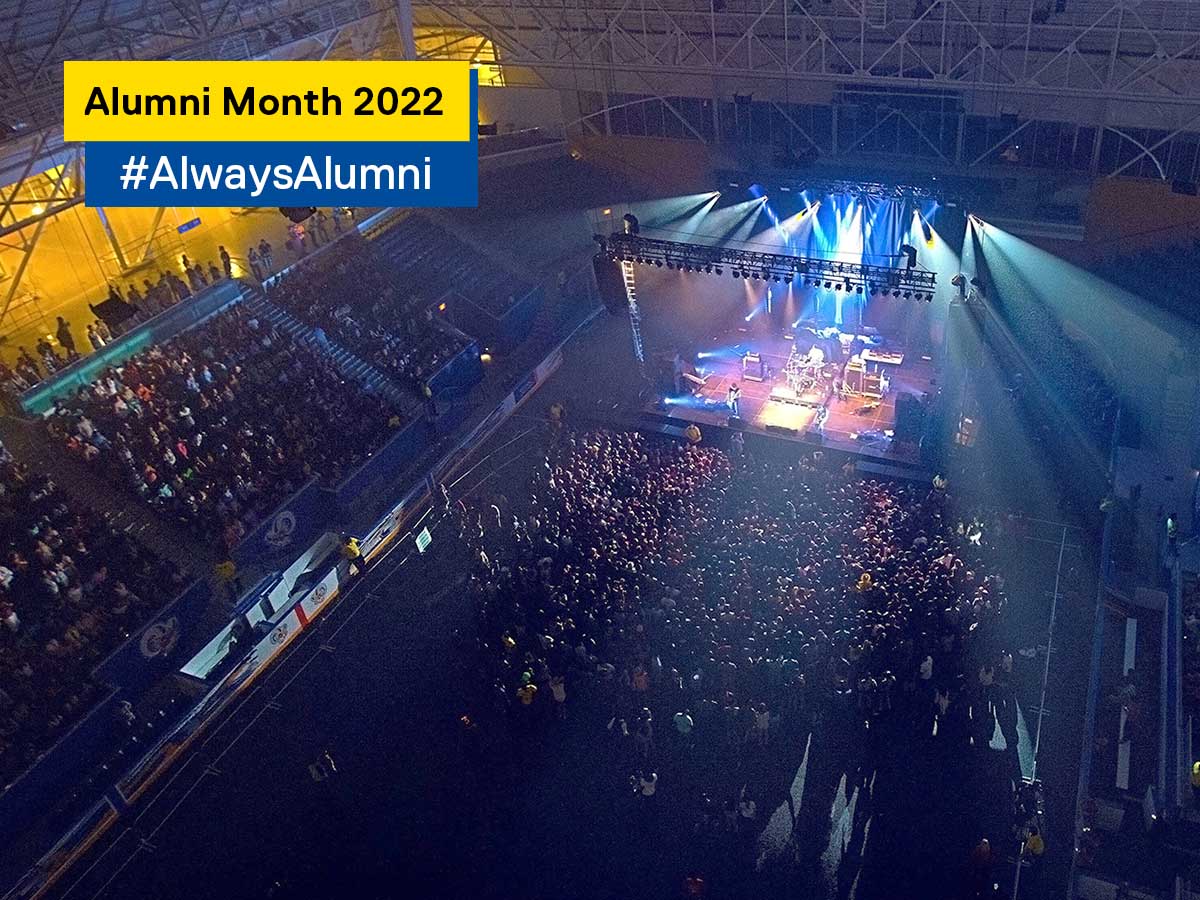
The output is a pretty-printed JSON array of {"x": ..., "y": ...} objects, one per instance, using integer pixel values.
[
  {"x": 692, "y": 433},
  {"x": 226, "y": 573},
  {"x": 352, "y": 553},
  {"x": 1034, "y": 845},
  {"x": 526, "y": 694}
]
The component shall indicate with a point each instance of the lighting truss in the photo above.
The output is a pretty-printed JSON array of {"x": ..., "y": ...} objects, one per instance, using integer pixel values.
[
  {"x": 880, "y": 189},
  {"x": 766, "y": 266}
]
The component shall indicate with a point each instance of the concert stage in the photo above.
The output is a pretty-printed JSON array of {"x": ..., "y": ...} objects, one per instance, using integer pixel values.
[{"x": 853, "y": 411}]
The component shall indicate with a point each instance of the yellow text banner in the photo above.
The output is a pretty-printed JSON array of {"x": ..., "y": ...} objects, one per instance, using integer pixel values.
[{"x": 267, "y": 101}]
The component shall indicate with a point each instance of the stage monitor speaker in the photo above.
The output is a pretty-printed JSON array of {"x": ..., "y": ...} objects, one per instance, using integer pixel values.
[
  {"x": 782, "y": 429},
  {"x": 737, "y": 422},
  {"x": 610, "y": 283},
  {"x": 814, "y": 436}
]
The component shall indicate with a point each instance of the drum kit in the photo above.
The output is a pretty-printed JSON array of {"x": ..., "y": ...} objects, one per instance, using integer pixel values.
[{"x": 808, "y": 373}]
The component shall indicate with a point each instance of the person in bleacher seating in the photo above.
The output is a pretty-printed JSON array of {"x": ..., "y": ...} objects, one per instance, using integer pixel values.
[
  {"x": 218, "y": 425},
  {"x": 355, "y": 303},
  {"x": 72, "y": 588}
]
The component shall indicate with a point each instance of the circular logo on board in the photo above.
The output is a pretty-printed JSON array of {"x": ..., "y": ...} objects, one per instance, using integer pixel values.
[
  {"x": 321, "y": 592},
  {"x": 279, "y": 634},
  {"x": 279, "y": 535},
  {"x": 160, "y": 638}
]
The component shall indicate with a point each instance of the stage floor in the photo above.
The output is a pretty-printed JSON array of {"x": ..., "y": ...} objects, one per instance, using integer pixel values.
[{"x": 853, "y": 422}]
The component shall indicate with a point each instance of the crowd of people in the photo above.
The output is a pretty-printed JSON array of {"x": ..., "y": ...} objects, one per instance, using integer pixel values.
[
  {"x": 706, "y": 598},
  {"x": 221, "y": 423},
  {"x": 120, "y": 311},
  {"x": 357, "y": 300},
  {"x": 126, "y": 308},
  {"x": 72, "y": 589}
]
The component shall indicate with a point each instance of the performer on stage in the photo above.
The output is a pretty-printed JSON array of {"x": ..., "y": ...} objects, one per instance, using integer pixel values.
[{"x": 732, "y": 397}]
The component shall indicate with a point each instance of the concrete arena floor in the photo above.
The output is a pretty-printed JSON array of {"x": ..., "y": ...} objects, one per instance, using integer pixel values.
[{"x": 379, "y": 683}]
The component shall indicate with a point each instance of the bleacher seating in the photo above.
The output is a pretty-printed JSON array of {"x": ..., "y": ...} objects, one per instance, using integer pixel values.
[
  {"x": 220, "y": 424},
  {"x": 356, "y": 299},
  {"x": 429, "y": 260},
  {"x": 72, "y": 588},
  {"x": 1156, "y": 275}
]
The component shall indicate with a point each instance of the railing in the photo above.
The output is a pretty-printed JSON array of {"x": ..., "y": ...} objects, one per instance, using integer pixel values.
[
  {"x": 1083, "y": 791},
  {"x": 40, "y": 398}
]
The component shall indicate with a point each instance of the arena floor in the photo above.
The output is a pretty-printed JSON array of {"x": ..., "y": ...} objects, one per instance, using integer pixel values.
[{"x": 378, "y": 685}]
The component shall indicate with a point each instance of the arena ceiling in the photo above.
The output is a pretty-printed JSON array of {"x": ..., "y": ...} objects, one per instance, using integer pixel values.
[
  {"x": 1099, "y": 62},
  {"x": 1112, "y": 63}
]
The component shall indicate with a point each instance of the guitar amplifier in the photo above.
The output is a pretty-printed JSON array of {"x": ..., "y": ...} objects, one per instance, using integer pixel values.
[{"x": 753, "y": 368}]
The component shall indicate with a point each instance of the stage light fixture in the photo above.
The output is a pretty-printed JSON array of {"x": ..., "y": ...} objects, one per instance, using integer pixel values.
[
  {"x": 718, "y": 270},
  {"x": 754, "y": 275},
  {"x": 895, "y": 292},
  {"x": 735, "y": 274},
  {"x": 708, "y": 270},
  {"x": 828, "y": 285},
  {"x": 837, "y": 287},
  {"x": 858, "y": 289},
  {"x": 670, "y": 265},
  {"x": 658, "y": 262},
  {"x": 908, "y": 295}
]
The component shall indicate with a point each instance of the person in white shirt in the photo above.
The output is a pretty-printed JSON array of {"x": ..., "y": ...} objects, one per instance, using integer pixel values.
[
  {"x": 927, "y": 668},
  {"x": 647, "y": 783}
]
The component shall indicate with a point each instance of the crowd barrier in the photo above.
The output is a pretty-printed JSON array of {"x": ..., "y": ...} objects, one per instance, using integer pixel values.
[
  {"x": 459, "y": 375},
  {"x": 1083, "y": 790},
  {"x": 386, "y": 463},
  {"x": 291, "y": 526},
  {"x": 151, "y": 651},
  {"x": 1175, "y": 764},
  {"x": 223, "y": 669},
  {"x": 22, "y": 804},
  {"x": 39, "y": 399}
]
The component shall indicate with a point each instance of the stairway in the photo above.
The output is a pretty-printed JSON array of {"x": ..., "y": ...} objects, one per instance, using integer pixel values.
[
  {"x": 350, "y": 365},
  {"x": 30, "y": 443}
]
